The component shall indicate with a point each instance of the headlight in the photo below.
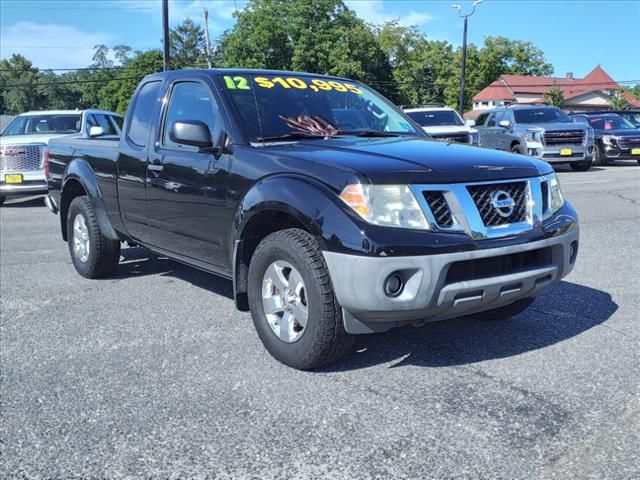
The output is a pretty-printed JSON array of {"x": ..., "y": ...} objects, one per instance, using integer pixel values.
[
  {"x": 385, "y": 205},
  {"x": 609, "y": 140},
  {"x": 475, "y": 138},
  {"x": 555, "y": 198},
  {"x": 590, "y": 134},
  {"x": 533, "y": 136}
]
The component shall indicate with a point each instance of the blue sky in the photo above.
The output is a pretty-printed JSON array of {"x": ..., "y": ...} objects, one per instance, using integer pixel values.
[{"x": 575, "y": 35}]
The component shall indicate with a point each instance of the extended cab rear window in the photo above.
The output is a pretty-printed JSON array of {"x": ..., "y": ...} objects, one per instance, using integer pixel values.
[{"x": 141, "y": 115}]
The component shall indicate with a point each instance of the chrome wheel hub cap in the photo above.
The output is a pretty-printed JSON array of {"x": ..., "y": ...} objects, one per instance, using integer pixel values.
[
  {"x": 284, "y": 300},
  {"x": 81, "y": 242}
]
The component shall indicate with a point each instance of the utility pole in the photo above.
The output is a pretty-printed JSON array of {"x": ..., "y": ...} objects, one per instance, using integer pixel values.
[
  {"x": 207, "y": 43},
  {"x": 464, "y": 50},
  {"x": 165, "y": 34}
]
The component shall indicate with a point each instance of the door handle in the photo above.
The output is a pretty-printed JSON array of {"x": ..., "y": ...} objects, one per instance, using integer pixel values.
[{"x": 155, "y": 168}]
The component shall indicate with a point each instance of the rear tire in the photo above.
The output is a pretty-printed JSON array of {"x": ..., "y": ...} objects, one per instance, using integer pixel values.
[
  {"x": 504, "y": 313},
  {"x": 582, "y": 166},
  {"x": 320, "y": 337},
  {"x": 93, "y": 255},
  {"x": 516, "y": 149}
]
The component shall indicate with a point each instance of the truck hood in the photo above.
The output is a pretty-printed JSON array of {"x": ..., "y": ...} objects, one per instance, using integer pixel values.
[
  {"x": 412, "y": 161},
  {"x": 626, "y": 132},
  {"x": 27, "y": 139}
]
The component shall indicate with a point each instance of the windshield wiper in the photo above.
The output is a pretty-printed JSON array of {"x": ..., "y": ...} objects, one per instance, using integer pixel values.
[
  {"x": 370, "y": 133},
  {"x": 291, "y": 136}
]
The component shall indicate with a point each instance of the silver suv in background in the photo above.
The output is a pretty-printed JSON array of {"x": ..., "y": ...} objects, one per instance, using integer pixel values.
[
  {"x": 540, "y": 131},
  {"x": 443, "y": 123},
  {"x": 23, "y": 142}
]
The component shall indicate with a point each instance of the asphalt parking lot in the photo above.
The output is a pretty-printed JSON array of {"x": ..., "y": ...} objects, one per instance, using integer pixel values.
[{"x": 154, "y": 374}]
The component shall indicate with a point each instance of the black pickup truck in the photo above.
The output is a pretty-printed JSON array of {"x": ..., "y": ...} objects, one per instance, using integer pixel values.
[{"x": 331, "y": 211}]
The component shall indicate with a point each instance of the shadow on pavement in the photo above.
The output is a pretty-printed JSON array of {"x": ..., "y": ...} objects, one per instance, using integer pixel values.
[
  {"x": 559, "y": 314},
  {"x": 138, "y": 261},
  {"x": 23, "y": 202},
  {"x": 563, "y": 312}
]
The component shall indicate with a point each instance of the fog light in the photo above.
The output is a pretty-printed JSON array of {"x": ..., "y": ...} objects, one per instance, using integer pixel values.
[
  {"x": 393, "y": 285},
  {"x": 573, "y": 251}
]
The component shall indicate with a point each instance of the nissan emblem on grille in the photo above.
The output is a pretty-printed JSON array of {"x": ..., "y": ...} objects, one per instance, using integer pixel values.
[{"x": 503, "y": 203}]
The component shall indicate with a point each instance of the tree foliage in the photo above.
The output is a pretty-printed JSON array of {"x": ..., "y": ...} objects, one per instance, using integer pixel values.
[
  {"x": 618, "y": 102},
  {"x": 555, "y": 96},
  {"x": 187, "y": 45}
]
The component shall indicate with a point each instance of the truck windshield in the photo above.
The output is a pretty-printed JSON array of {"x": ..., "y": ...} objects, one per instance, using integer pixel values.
[
  {"x": 540, "y": 115},
  {"x": 435, "y": 118},
  {"x": 611, "y": 123},
  {"x": 43, "y": 124},
  {"x": 274, "y": 107}
]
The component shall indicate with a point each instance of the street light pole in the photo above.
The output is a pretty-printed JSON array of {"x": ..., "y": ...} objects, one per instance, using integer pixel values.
[
  {"x": 165, "y": 34},
  {"x": 464, "y": 49}
]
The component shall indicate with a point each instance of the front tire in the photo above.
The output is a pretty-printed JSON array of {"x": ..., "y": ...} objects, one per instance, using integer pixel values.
[
  {"x": 504, "y": 313},
  {"x": 598, "y": 157},
  {"x": 93, "y": 255},
  {"x": 516, "y": 149},
  {"x": 581, "y": 166},
  {"x": 292, "y": 303}
]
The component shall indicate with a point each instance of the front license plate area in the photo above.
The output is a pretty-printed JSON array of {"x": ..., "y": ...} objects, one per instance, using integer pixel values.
[
  {"x": 566, "y": 152},
  {"x": 635, "y": 151},
  {"x": 13, "y": 178}
]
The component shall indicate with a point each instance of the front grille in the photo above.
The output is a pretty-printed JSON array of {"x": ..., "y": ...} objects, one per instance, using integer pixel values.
[
  {"x": 482, "y": 195},
  {"x": 439, "y": 208},
  {"x": 629, "y": 142},
  {"x": 20, "y": 158},
  {"x": 495, "y": 266},
  {"x": 564, "y": 137},
  {"x": 452, "y": 137}
]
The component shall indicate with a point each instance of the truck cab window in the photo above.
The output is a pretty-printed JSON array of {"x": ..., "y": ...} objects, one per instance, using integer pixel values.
[
  {"x": 189, "y": 101},
  {"x": 142, "y": 111}
]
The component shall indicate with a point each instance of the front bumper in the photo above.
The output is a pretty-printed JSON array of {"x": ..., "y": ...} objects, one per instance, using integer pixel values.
[
  {"x": 615, "y": 153},
  {"x": 437, "y": 287},
  {"x": 554, "y": 154}
]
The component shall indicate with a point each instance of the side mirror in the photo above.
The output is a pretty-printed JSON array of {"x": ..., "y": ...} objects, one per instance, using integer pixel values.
[
  {"x": 470, "y": 123},
  {"x": 96, "y": 132},
  {"x": 191, "y": 132},
  {"x": 505, "y": 123}
]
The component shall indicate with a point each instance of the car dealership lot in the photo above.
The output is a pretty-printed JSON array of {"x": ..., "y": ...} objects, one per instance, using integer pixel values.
[{"x": 153, "y": 373}]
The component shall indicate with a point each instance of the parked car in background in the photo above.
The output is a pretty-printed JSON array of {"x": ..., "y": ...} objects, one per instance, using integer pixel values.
[
  {"x": 616, "y": 137},
  {"x": 23, "y": 142},
  {"x": 539, "y": 131},
  {"x": 632, "y": 116},
  {"x": 443, "y": 123}
]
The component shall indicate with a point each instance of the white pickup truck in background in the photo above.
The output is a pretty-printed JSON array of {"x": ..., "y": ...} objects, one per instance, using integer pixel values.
[{"x": 23, "y": 142}]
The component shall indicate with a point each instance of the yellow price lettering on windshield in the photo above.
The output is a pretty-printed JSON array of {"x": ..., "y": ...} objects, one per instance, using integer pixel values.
[
  {"x": 315, "y": 84},
  {"x": 236, "y": 82}
]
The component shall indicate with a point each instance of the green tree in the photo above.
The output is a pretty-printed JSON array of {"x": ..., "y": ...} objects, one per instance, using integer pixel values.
[
  {"x": 19, "y": 82},
  {"x": 618, "y": 102},
  {"x": 187, "y": 45},
  {"x": 420, "y": 67},
  {"x": 101, "y": 57},
  {"x": 115, "y": 95},
  {"x": 555, "y": 96},
  {"x": 317, "y": 36},
  {"x": 123, "y": 53}
]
